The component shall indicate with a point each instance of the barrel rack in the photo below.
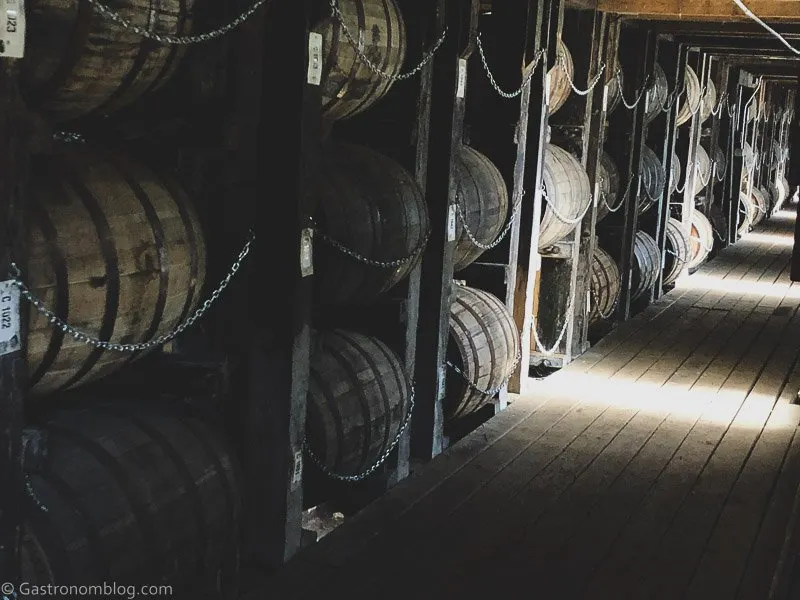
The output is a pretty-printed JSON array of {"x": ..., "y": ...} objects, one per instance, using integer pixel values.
[{"x": 251, "y": 153}]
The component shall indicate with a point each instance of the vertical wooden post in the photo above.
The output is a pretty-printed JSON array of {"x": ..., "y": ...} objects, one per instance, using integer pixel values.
[
  {"x": 793, "y": 175},
  {"x": 447, "y": 116},
  {"x": 734, "y": 177},
  {"x": 698, "y": 63},
  {"x": 719, "y": 138},
  {"x": 13, "y": 364}
]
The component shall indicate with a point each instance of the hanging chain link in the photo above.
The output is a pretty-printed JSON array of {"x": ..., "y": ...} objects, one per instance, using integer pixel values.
[
  {"x": 700, "y": 174},
  {"x": 501, "y": 235},
  {"x": 32, "y": 494},
  {"x": 567, "y": 316},
  {"x": 390, "y": 264},
  {"x": 604, "y": 316},
  {"x": 87, "y": 339},
  {"x": 176, "y": 40},
  {"x": 498, "y": 389},
  {"x": 716, "y": 112},
  {"x": 640, "y": 94},
  {"x": 560, "y": 60},
  {"x": 724, "y": 172},
  {"x": 699, "y": 101},
  {"x": 562, "y": 218},
  {"x": 531, "y": 70},
  {"x": 381, "y": 459},
  {"x": 356, "y": 45},
  {"x": 624, "y": 197},
  {"x": 71, "y": 137}
]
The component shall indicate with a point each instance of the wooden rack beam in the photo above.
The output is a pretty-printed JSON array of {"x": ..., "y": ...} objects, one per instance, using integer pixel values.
[{"x": 708, "y": 10}]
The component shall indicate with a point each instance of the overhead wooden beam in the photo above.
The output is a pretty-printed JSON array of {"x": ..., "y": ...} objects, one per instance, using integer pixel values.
[{"x": 703, "y": 10}]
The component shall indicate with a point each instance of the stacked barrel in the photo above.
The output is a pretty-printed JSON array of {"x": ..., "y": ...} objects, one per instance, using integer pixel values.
[{"x": 139, "y": 492}]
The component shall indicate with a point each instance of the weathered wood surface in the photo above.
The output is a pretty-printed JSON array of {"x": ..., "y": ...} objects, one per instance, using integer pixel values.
[{"x": 708, "y": 10}]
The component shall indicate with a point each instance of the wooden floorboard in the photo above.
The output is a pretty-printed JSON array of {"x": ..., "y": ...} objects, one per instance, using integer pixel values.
[{"x": 663, "y": 463}]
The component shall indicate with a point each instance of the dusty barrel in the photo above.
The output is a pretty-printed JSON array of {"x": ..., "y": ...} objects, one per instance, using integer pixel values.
[
  {"x": 748, "y": 157},
  {"x": 657, "y": 93},
  {"x": 567, "y": 194},
  {"x": 371, "y": 206},
  {"x": 646, "y": 265},
  {"x": 358, "y": 398},
  {"x": 117, "y": 251},
  {"x": 483, "y": 344},
  {"x": 608, "y": 176},
  {"x": 612, "y": 82},
  {"x": 79, "y": 62},
  {"x": 559, "y": 77},
  {"x": 720, "y": 162},
  {"x": 701, "y": 239},
  {"x": 709, "y": 101},
  {"x": 675, "y": 173},
  {"x": 605, "y": 286},
  {"x": 761, "y": 205},
  {"x": 748, "y": 212},
  {"x": 483, "y": 204},
  {"x": 653, "y": 179},
  {"x": 691, "y": 97},
  {"x": 677, "y": 251},
  {"x": 132, "y": 496},
  {"x": 348, "y": 85},
  {"x": 703, "y": 170}
]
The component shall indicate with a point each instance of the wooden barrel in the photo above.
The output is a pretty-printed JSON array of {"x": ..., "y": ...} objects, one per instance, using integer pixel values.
[
  {"x": 677, "y": 252},
  {"x": 348, "y": 85},
  {"x": 483, "y": 199},
  {"x": 761, "y": 205},
  {"x": 566, "y": 186},
  {"x": 374, "y": 207},
  {"x": 675, "y": 177},
  {"x": 748, "y": 212},
  {"x": 701, "y": 240},
  {"x": 657, "y": 93},
  {"x": 116, "y": 250},
  {"x": 709, "y": 101},
  {"x": 559, "y": 78},
  {"x": 748, "y": 156},
  {"x": 787, "y": 191},
  {"x": 358, "y": 397},
  {"x": 720, "y": 161},
  {"x": 132, "y": 496},
  {"x": 608, "y": 176},
  {"x": 78, "y": 62},
  {"x": 691, "y": 98},
  {"x": 703, "y": 171},
  {"x": 646, "y": 265},
  {"x": 613, "y": 90},
  {"x": 605, "y": 286},
  {"x": 484, "y": 344},
  {"x": 653, "y": 179}
]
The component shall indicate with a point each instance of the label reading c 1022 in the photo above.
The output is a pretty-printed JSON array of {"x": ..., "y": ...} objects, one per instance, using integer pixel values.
[
  {"x": 12, "y": 29},
  {"x": 9, "y": 318}
]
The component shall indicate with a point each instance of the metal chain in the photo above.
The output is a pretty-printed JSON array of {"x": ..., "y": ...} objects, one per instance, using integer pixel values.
[
  {"x": 426, "y": 57},
  {"x": 500, "y": 236},
  {"x": 391, "y": 264},
  {"x": 560, "y": 60},
  {"x": 596, "y": 300},
  {"x": 80, "y": 336},
  {"x": 624, "y": 197},
  {"x": 496, "y": 390},
  {"x": 69, "y": 137},
  {"x": 493, "y": 82},
  {"x": 722, "y": 101},
  {"x": 32, "y": 494},
  {"x": 700, "y": 174},
  {"x": 561, "y": 217},
  {"x": 567, "y": 315},
  {"x": 381, "y": 459},
  {"x": 639, "y": 95},
  {"x": 699, "y": 101},
  {"x": 702, "y": 245},
  {"x": 608, "y": 206},
  {"x": 177, "y": 40},
  {"x": 671, "y": 98},
  {"x": 724, "y": 172}
]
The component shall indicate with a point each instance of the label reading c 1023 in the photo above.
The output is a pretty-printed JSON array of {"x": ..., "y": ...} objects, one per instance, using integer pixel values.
[
  {"x": 9, "y": 318},
  {"x": 12, "y": 28}
]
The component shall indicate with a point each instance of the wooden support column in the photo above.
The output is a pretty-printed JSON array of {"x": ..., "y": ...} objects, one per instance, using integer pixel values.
[
  {"x": 733, "y": 179},
  {"x": 525, "y": 232},
  {"x": 793, "y": 175},
  {"x": 447, "y": 117},
  {"x": 719, "y": 133},
  {"x": 14, "y": 148},
  {"x": 698, "y": 62}
]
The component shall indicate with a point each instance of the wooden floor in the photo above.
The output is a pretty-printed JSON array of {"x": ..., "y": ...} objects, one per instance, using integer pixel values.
[{"x": 662, "y": 464}]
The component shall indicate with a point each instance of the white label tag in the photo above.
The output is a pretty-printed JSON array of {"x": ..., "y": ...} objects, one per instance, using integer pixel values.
[
  {"x": 605, "y": 98},
  {"x": 12, "y": 29},
  {"x": 442, "y": 379},
  {"x": 314, "y": 58},
  {"x": 9, "y": 318},
  {"x": 547, "y": 90},
  {"x": 451, "y": 223},
  {"x": 297, "y": 471},
  {"x": 307, "y": 252},
  {"x": 461, "y": 89}
]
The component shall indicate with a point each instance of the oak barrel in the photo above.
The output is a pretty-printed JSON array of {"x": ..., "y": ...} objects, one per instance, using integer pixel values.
[
  {"x": 691, "y": 97},
  {"x": 559, "y": 78},
  {"x": 709, "y": 101},
  {"x": 703, "y": 171},
  {"x": 720, "y": 162},
  {"x": 653, "y": 179},
  {"x": 358, "y": 397},
  {"x": 677, "y": 251},
  {"x": 132, "y": 496},
  {"x": 372, "y": 206},
  {"x": 484, "y": 344},
  {"x": 612, "y": 82},
  {"x": 748, "y": 157},
  {"x": 748, "y": 211},
  {"x": 657, "y": 93},
  {"x": 701, "y": 239},
  {"x": 116, "y": 250},
  {"x": 608, "y": 176},
  {"x": 675, "y": 173},
  {"x": 605, "y": 286},
  {"x": 566, "y": 186},
  {"x": 646, "y": 265},
  {"x": 78, "y": 62},
  {"x": 348, "y": 85},
  {"x": 483, "y": 201},
  {"x": 761, "y": 205}
]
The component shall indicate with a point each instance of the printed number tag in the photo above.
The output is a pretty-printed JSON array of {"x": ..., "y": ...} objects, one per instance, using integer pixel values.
[
  {"x": 451, "y": 223},
  {"x": 461, "y": 90},
  {"x": 307, "y": 252},
  {"x": 9, "y": 318},
  {"x": 314, "y": 58},
  {"x": 297, "y": 471},
  {"x": 12, "y": 29}
]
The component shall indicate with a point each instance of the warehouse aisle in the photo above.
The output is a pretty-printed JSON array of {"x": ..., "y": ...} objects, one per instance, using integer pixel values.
[{"x": 662, "y": 464}]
